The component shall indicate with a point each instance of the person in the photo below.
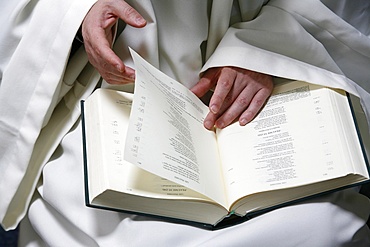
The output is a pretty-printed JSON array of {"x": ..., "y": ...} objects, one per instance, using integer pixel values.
[
  {"x": 203, "y": 44},
  {"x": 230, "y": 99}
]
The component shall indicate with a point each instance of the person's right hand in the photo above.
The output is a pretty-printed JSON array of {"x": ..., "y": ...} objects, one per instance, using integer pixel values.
[{"x": 98, "y": 38}]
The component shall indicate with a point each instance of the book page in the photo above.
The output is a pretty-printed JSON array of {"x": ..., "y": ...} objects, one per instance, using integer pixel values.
[
  {"x": 363, "y": 128},
  {"x": 292, "y": 141},
  {"x": 107, "y": 168},
  {"x": 346, "y": 126},
  {"x": 166, "y": 135}
]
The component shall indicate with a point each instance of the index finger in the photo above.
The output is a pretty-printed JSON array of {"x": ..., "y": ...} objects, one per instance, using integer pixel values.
[{"x": 225, "y": 81}]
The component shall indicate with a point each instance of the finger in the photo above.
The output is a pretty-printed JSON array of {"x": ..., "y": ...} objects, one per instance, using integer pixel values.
[
  {"x": 238, "y": 86},
  {"x": 255, "y": 106},
  {"x": 106, "y": 61},
  {"x": 245, "y": 107},
  {"x": 98, "y": 36},
  {"x": 210, "y": 120},
  {"x": 116, "y": 79},
  {"x": 205, "y": 83},
  {"x": 128, "y": 14},
  {"x": 110, "y": 66},
  {"x": 114, "y": 65},
  {"x": 239, "y": 104},
  {"x": 224, "y": 84}
]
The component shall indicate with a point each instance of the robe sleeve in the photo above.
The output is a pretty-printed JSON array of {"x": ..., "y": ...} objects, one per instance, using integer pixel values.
[
  {"x": 39, "y": 96},
  {"x": 285, "y": 40}
]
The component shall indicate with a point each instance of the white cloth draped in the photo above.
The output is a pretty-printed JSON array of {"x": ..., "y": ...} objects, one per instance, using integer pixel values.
[
  {"x": 40, "y": 94},
  {"x": 36, "y": 40}
]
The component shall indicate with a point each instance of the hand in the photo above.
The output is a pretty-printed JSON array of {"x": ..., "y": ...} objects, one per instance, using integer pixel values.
[
  {"x": 239, "y": 93},
  {"x": 98, "y": 38}
]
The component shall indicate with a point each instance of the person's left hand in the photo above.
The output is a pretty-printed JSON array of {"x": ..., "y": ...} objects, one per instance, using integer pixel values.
[{"x": 238, "y": 93}]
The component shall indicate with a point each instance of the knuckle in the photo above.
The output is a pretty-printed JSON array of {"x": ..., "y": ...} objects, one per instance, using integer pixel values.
[
  {"x": 225, "y": 83},
  {"x": 228, "y": 99},
  {"x": 226, "y": 118},
  {"x": 206, "y": 83},
  {"x": 129, "y": 11},
  {"x": 259, "y": 102},
  {"x": 242, "y": 101},
  {"x": 107, "y": 77}
]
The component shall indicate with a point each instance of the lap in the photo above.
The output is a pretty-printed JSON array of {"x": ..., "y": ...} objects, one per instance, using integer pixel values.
[{"x": 59, "y": 216}]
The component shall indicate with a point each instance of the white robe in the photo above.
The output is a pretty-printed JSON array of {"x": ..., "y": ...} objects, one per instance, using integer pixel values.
[{"x": 39, "y": 104}]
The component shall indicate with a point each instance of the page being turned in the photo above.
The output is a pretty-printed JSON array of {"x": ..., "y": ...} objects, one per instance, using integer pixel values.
[{"x": 166, "y": 134}]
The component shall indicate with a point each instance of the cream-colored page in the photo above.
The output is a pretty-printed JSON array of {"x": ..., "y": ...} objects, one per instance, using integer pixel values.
[
  {"x": 347, "y": 134},
  {"x": 291, "y": 142},
  {"x": 121, "y": 175},
  {"x": 166, "y": 135}
]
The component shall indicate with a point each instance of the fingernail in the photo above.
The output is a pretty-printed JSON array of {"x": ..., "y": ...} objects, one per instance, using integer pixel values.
[
  {"x": 243, "y": 121},
  {"x": 220, "y": 124},
  {"x": 119, "y": 68},
  {"x": 140, "y": 21},
  {"x": 208, "y": 124},
  {"x": 214, "y": 109}
]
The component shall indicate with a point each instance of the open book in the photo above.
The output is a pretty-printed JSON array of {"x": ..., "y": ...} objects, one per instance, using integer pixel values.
[{"x": 149, "y": 153}]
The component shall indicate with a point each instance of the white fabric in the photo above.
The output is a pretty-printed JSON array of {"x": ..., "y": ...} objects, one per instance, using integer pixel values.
[
  {"x": 61, "y": 219},
  {"x": 31, "y": 86},
  {"x": 288, "y": 38}
]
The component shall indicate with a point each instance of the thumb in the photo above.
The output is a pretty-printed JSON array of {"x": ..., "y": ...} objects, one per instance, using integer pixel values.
[
  {"x": 205, "y": 83},
  {"x": 128, "y": 14}
]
